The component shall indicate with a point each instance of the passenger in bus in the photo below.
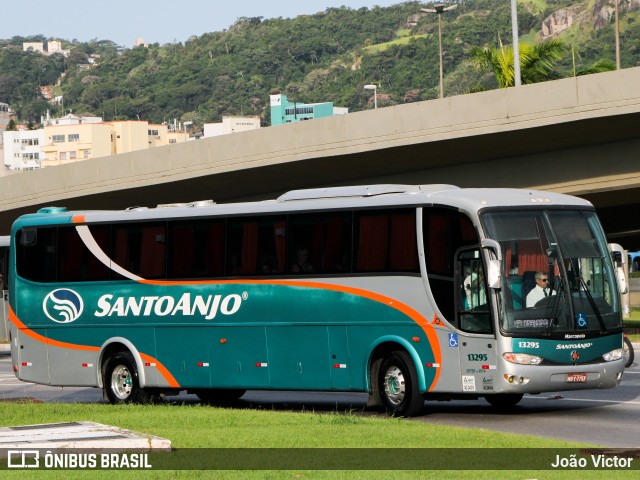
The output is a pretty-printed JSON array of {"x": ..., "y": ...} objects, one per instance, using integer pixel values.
[
  {"x": 474, "y": 286},
  {"x": 540, "y": 291},
  {"x": 302, "y": 264}
]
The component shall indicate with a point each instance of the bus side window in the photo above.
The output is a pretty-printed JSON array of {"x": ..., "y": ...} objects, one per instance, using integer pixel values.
[
  {"x": 196, "y": 249},
  {"x": 386, "y": 241},
  {"x": 76, "y": 263},
  {"x": 140, "y": 248},
  {"x": 444, "y": 232},
  {"x": 256, "y": 246},
  {"x": 36, "y": 251},
  {"x": 327, "y": 238}
]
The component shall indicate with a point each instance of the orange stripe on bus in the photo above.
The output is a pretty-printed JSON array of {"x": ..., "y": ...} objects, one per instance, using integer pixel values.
[
  {"x": 72, "y": 346},
  {"x": 48, "y": 341},
  {"x": 405, "y": 309},
  {"x": 78, "y": 219},
  {"x": 162, "y": 369}
]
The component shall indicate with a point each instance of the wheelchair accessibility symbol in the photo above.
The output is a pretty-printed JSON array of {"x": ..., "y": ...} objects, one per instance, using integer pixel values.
[
  {"x": 581, "y": 319},
  {"x": 453, "y": 340}
]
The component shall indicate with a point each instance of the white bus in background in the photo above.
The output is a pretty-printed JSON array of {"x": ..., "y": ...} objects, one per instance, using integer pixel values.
[
  {"x": 4, "y": 303},
  {"x": 621, "y": 262}
]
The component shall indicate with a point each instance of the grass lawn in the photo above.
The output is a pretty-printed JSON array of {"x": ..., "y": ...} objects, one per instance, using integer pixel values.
[
  {"x": 632, "y": 325},
  {"x": 200, "y": 426}
]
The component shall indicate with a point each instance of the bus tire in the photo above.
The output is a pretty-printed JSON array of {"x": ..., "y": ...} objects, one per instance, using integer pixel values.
[
  {"x": 627, "y": 352},
  {"x": 398, "y": 385},
  {"x": 220, "y": 396},
  {"x": 121, "y": 380},
  {"x": 504, "y": 400}
]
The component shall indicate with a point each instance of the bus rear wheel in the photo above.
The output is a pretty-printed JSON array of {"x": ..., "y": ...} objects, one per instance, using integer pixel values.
[
  {"x": 504, "y": 400},
  {"x": 398, "y": 385},
  {"x": 121, "y": 380}
]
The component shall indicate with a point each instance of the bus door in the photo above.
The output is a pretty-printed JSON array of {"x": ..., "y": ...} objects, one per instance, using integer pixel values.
[{"x": 475, "y": 338}]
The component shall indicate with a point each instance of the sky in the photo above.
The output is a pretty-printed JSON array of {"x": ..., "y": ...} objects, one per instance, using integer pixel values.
[{"x": 161, "y": 21}]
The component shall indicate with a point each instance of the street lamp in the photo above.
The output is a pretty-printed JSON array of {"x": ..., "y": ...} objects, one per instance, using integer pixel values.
[
  {"x": 440, "y": 9},
  {"x": 375, "y": 94},
  {"x": 184, "y": 128}
]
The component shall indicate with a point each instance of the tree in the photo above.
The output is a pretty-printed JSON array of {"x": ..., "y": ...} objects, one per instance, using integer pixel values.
[
  {"x": 537, "y": 62},
  {"x": 11, "y": 126}
]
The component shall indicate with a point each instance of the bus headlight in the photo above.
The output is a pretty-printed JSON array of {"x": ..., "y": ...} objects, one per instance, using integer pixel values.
[
  {"x": 613, "y": 355},
  {"x": 522, "y": 358}
]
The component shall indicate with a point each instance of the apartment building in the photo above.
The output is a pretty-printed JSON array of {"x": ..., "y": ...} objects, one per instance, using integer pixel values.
[
  {"x": 157, "y": 135},
  {"x": 69, "y": 119},
  {"x": 22, "y": 149},
  {"x": 129, "y": 136},
  {"x": 70, "y": 143}
]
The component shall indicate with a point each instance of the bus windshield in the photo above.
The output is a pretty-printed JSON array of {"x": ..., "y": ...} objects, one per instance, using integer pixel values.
[{"x": 558, "y": 275}]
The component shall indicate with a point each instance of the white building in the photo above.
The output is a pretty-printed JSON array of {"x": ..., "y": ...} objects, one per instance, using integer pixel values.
[
  {"x": 22, "y": 149},
  {"x": 231, "y": 125},
  {"x": 54, "y": 46},
  {"x": 69, "y": 119},
  {"x": 35, "y": 46}
]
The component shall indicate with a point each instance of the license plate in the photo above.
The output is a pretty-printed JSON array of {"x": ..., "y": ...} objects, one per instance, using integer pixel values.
[{"x": 576, "y": 377}]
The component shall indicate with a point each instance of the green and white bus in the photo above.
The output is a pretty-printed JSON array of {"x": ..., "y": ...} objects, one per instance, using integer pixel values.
[{"x": 409, "y": 293}]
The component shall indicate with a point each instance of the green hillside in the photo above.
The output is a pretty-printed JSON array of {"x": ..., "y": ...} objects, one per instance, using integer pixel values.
[{"x": 328, "y": 56}]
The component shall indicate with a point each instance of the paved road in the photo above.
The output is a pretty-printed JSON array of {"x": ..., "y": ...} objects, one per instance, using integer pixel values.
[{"x": 604, "y": 417}]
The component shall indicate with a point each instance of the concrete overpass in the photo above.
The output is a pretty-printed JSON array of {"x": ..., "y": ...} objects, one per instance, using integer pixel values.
[{"x": 579, "y": 136}]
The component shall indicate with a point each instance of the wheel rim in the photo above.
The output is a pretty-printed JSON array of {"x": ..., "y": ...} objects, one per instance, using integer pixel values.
[
  {"x": 394, "y": 385},
  {"x": 121, "y": 382}
]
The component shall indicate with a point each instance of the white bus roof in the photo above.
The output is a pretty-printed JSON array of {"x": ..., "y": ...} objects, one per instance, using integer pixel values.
[{"x": 366, "y": 196}]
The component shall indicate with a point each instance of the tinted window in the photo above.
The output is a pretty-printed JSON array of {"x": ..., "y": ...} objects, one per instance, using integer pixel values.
[
  {"x": 75, "y": 262},
  {"x": 196, "y": 249},
  {"x": 386, "y": 241},
  {"x": 140, "y": 248},
  {"x": 256, "y": 246},
  {"x": 445, "y": 231},
  {"x": 36, "y": 254},
  {"x": 319, "y": 243}
]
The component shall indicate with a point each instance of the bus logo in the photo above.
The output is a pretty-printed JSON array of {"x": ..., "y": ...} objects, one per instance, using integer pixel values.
[{"x": 63, "y": 305}]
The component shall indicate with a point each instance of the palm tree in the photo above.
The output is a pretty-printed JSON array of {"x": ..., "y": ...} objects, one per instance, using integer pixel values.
[
  {"x": 599, "y": 66},
  {"x": 537, "y": 62}
]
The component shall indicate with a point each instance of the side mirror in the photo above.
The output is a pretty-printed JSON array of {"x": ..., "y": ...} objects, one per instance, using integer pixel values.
[
  {"x": 622, "y": 281},
  {"x": 494, "y": 277}
]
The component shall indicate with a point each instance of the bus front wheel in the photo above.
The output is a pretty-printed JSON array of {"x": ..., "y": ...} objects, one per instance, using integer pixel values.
[
  {"x": 398, "y": 385},
  {"x": 121, "y": 381}
]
